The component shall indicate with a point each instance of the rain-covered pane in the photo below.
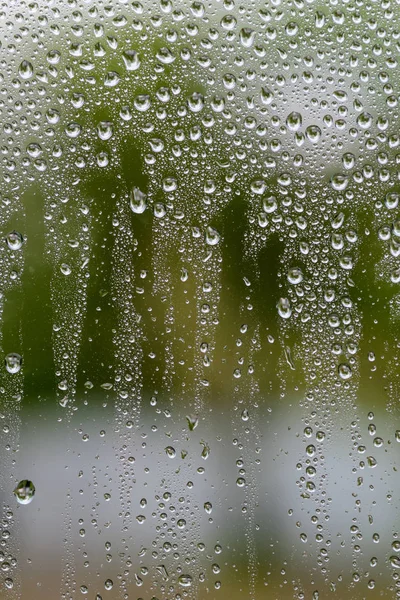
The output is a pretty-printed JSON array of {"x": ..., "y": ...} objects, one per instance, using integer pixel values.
[{"x": 199, "y": 299}]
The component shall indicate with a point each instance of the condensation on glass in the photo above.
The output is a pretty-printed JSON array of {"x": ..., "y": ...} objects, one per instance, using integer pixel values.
[{"x": 199, "y": 299}]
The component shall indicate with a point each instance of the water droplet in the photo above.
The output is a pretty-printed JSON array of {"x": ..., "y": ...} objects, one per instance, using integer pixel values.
[
  {"x": 392, "y": 200},
  {"x": 73, "y": 130},
  {"x": 266, "y": 96},
  {"x": 159, "y": 210},
  {"x": 13, "y": 362},
  {"x": 14, "y": 240},
  {"x": 395, "y": 562},
  {"x": 270, "y": 204},
  {"x": 205, "y": 453},
  {"x": 131, "y": 60},
  {"x": 247, "y": 37},
  {"x": 196, "y": 102},
  {"x": 295, "y": 275},
  {"x": 289, "y": 359},
  {"x": 292, "y": 28},
  {"x": 228, "y": 22},
  {"x": 142, "y": 102},
  {"x": 25, "y": 69},
  {"x": 24, "y": 491},
  {"x": 212, "y": 236},
  {"x": 245, "y": 415},
  {"x": 65, "y": 269},
  {"x": 208, "y": 507},
  {"x": 105, "y": 130},
  {"x": 112, "y": 79},
  {"x": 364, "y": 120},
  {"x": 137, "y": 201},
  {"x": 165, "y": 56},
  {"x": 310, "y": 450},
  {"x": 348, "y": 160},
  {"x": 294, "y": 121},
  {"x": 193, "y": 421},
  {"x": 258, "y": 186},
  {"x": 339, "y": 182},
  {"x": 185, "y": 580},
  {"x": 170, "y": 451},
  {"x": 313, "y": 133},
  {"x": 337, "y": 220},
  {"x": 284, "y": 308},
  {"x": 344, "y": 371}
]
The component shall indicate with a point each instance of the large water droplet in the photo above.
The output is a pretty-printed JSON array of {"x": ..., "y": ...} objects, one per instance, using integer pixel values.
[
  {"x": 24, "y": 491},
  {"x": 339, "y": 182},
  {"x": 165, "y": 56},
  {"x": 112, "y": 79},
  {"x": 138, "y": 201},
  {"x": 104, "y": 130},
  {"x": 170, "y": 451},
  {"x": 142, "y": 102},
  {"x": 313, "y": 133},
  {"x": 13, "y": 362},
  {"x": 212, "y": 236},
  {"x": 185, "y": 580},
  {"x": 196, "y": 102},
  {"x": 25, "y": 69},
  {"x": 344, "y": 371},
  {"x": 294, "y": 121},
  {"x": 247, "y": 37},
  {"x": 295, "y": 275},
  {"x": 284, "y": 308},
  {"x": 14, "y": 240},
  {"x": 392, "y": 200},
  {"x": 131, "y": 60}
]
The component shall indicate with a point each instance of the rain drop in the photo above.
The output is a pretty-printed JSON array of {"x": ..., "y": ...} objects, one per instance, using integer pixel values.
[
  {"x": 24, "y": 491},
  {"x": 13, "y": 362},
  {"x": 137, "y": 201}
]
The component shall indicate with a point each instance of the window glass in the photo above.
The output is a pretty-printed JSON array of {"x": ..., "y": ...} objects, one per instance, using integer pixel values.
[{"x": 199, "y": 299}]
